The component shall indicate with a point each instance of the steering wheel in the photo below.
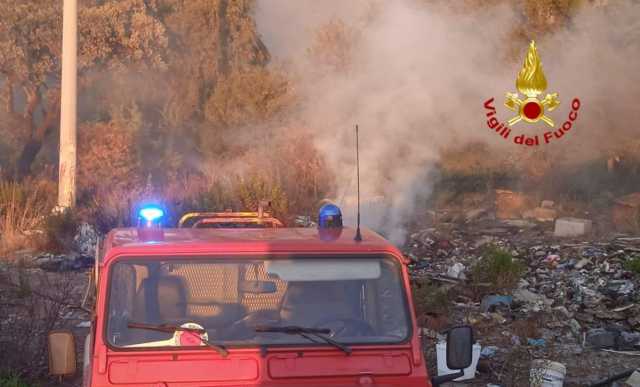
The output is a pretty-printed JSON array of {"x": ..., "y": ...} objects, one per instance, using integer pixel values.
[
  {"x": 243, "y": 329},
  {"x": 346, "y": 327}
]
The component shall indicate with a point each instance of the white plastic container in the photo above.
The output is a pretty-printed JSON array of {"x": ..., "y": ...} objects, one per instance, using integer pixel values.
[
  {"x": 545, "y": 373},
  {"x": 469, "y": 372}
]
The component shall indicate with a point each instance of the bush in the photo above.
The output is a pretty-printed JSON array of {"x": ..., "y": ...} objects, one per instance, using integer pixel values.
[
  {"x": 633, "y": 265},
  {"x": 498, "y": 269},
  {"x": 429, "y": 298},
  {"x": 9, "y": 379},
  {"x": 23, "y": 208}
]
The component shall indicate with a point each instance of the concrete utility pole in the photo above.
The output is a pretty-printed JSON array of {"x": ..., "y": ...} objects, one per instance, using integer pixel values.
[{"x": 68, "y": 106}]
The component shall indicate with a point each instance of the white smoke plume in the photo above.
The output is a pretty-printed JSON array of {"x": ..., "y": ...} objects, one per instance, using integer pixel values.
[{"x": 419, "y": 78}]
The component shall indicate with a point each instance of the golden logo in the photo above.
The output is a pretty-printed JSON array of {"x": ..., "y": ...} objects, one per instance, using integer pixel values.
[{"x": 531, "y": 82}]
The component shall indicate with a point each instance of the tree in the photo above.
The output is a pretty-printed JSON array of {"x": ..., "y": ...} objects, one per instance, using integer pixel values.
[{"x": 112, "y": 34}]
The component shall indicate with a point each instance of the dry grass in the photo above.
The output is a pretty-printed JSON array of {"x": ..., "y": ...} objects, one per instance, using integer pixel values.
[{"x": 23, "y": 209}]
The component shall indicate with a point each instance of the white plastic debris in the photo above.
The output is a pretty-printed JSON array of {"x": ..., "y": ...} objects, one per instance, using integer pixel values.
[
  {"x": 456, "y": 271},
  {"x": 572, "y": 227}
]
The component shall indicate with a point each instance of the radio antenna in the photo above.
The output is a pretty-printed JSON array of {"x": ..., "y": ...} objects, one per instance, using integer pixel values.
[{"x": 358, "y": 236}]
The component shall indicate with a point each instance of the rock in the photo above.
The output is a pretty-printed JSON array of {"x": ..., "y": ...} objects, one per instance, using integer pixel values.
[{"x": 572, "y": 227}]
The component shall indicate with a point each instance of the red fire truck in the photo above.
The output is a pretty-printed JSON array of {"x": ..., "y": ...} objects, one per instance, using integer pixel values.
[{"x": 255, "y": 307}]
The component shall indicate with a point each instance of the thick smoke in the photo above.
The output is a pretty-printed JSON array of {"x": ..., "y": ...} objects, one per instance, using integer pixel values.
[{"x": 418, "y": 79}]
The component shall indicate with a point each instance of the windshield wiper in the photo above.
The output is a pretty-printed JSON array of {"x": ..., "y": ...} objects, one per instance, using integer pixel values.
[
  {"x": 307, "y": 333},
  {"x": 168, "y": 328}
]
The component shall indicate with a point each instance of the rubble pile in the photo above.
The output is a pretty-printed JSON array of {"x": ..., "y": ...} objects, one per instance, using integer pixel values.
[
  {"x": 587, "y": 282},
  {"x": 577, "y": 293}
]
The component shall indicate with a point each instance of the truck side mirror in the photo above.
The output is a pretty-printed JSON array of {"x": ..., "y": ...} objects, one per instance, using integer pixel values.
[
  {"x": 459, "y": 353},
  {"x": 459, "y": 347},
  {"x": 62, "y": 353}
]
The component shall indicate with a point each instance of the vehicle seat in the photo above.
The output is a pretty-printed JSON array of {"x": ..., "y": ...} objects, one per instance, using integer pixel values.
[
  {"x": 161, "y": 300},
  {"x": 309, "y": 303}
]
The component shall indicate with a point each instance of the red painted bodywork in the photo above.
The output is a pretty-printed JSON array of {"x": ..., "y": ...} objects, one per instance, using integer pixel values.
[{"x": 368, "y": 365}]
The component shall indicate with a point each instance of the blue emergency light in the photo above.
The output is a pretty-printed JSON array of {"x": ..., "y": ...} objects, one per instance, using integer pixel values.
[
  {"x": 149, "y": 227},
  {"x": 330, "y": 216},
  {"x": 151, "y": 213}
]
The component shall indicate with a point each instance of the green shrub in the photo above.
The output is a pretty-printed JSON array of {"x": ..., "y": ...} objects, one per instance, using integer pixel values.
[
  {"x": 429, "y": 298},
  {"x": 633, "y": 265},
  {"x": 497, "y": 268},
  {"x": 11, "y": 380}
]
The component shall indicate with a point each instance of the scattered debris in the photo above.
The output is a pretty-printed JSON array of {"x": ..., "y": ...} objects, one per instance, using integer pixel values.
[
  {"x": 536, "y": 342},
  {"x": 83, "y": 324},
  {"x": 577, "y": 297},
  {"x": 545, "y": 373},
  {"x": 456, "y": 271},
  {"x": 490, "y": 303},
  {"x": 488, "y": 352},
  {"x": 85, "y": 240},
  {"x": 61, "y": 263},
  {"x": 634, "y": 379}
]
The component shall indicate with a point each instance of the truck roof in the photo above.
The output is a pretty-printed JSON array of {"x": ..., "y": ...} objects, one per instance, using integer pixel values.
[{"x": 267, "y": 240}]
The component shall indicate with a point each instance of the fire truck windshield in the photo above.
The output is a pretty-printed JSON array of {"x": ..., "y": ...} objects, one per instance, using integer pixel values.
[{"x": 353, "y": 300}]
